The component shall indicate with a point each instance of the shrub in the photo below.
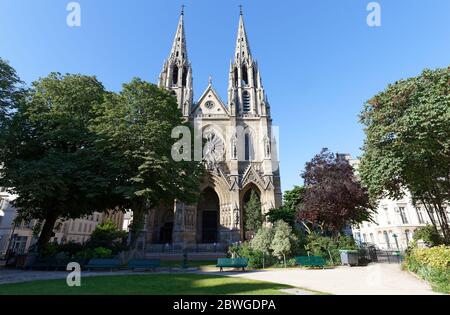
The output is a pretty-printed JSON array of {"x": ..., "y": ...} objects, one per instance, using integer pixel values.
[
  {"x": 282, "y": 241},
  {"x": 432, "y": 264},
  {"x": 85, "y": 254},
  {"x": 327, "y": 247},
  {"x": 430, "y": 235},
  {"x": 244, "y": 250},
  {"x": 50, "y": 250},
  {"x": 262, "y": 241},
  {"x": 107, "y": 235},
  {"x": 323, "y": 246},
  {"x": 101, "y": 252},
  {"x": 70, "y": 248}
]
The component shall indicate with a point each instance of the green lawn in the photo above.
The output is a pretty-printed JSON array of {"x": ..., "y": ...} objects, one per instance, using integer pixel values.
[{"x": 152, "y": 284}]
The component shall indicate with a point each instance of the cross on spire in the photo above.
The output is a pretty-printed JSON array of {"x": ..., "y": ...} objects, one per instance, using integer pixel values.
[
  {"x": 240, "y": 9},
  {"x": 182, "y": 9}
]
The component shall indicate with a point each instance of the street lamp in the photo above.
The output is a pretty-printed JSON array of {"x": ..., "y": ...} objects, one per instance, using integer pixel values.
[{"x": 396, "y": 241}]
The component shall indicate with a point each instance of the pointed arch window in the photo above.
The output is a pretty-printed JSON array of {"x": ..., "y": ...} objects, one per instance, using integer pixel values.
[
  {"x": 184, "y": 81},
  {"x": 175, "y": 75},
  {"x": 248, "y": 149},
  {"x": 236, "y": 75},
  {"x": 245, "y": 74},
  {"x": 246, "y": 101}
]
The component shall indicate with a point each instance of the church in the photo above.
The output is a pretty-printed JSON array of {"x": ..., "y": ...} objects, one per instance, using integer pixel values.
[{"x": 239, "y": 150}]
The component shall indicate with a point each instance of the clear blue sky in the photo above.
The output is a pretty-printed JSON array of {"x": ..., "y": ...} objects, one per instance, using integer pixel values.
[{"x": 319, "y": 60}]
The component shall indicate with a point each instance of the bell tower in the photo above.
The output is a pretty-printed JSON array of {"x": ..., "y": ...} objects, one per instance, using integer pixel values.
[
  {"x": 246, "y": 95},
  {"x": 176, "y": 74}
]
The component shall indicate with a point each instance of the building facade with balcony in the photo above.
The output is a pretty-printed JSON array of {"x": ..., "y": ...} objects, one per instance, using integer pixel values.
[
  {"x": 17, "y": 237},
  {"x": 395, "y": 221}
]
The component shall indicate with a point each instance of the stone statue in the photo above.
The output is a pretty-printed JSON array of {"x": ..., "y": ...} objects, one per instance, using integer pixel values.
[{"x": 236, "y": 218}]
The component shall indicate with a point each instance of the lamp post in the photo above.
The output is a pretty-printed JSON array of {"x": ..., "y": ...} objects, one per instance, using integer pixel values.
[{"x": 396, "y": 241}]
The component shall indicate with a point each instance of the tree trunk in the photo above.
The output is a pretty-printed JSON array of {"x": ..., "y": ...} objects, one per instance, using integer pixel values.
[
  {"x": 138, "y": 223},
  {"x": 47, "y": 230},
  {"x": 444, "y": 223},
  {"x": 284, "y": 258}
]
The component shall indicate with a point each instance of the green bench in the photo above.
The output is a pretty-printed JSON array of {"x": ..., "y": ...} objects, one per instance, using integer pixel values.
[
  {"x": 310, "y": 261},
  {"x": 232, "y": 263},
  {"x": 104, "y": 264},
  {"x": 144, "y": 264},
  {"x": 48, "y": 263}
]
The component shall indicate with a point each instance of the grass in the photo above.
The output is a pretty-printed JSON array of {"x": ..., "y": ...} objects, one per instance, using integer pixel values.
[{"x": 154, "y": 284}]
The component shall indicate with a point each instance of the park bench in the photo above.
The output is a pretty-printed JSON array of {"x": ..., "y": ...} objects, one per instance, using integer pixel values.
[
  {"x": 103, "y": 264},
  {"x": 310, "y": 261},
  {"x": 232, "y": 263},
  {"x": 145, "y": 264},
  {"x": 48, "y": 263}
]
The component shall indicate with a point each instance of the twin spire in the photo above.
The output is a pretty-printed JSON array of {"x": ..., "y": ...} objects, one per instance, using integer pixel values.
[
  {"x": 245, "y": 92},
  {"x": 179, "y": 48}
]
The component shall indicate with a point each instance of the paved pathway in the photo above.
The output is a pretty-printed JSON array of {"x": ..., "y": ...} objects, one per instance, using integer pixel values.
[{"x": 377, "y": 279}]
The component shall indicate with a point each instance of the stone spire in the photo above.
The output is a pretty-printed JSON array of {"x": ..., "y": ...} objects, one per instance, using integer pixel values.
[
  {"x": 176, "y": 74},
  {"x": 179, "y": 49},
  {"x": 246, "y": 96},
  {"x": 242, "y": 51}
]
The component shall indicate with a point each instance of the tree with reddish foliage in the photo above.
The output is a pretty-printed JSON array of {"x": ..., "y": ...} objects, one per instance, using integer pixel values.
[{"x": 334, "y": 197}]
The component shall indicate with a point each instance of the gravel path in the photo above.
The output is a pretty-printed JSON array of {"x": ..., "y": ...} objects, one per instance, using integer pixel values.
[{"x": 375, "y": 279}]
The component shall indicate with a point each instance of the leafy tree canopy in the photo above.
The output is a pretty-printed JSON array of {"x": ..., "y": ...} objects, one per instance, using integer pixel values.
[
  {"x": 283, "y": 239},
  {"x": 49, "y": 155},
  {"x": 334, "y": 197},
  {"x": 135, "y": 127},
  {"x": 291, "y": 201},
  {"x": 407, "y": 143}
]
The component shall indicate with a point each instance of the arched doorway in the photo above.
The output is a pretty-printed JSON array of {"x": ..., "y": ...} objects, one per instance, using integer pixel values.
[
  {"x": 166, "y": 228},
  {"x": 208, "y": 217},
  {"x": 245, "y": 200}
]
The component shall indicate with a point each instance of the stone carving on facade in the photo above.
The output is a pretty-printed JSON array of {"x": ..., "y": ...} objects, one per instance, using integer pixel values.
[
  {"x": 237, "y": 217},
  {"x": 225, "y": 174},
  {"x": 252, "y": 176},
  {"x": 225, "y": 217},
  {"x": 189, "y": 217},
  {"x": 179, "y": 216},
  {"x": 234, "y": 140},
  {"x": 267, "y": 148},
  {"x": 269, "y": 183},
  {"x": 234, "y": 183}
]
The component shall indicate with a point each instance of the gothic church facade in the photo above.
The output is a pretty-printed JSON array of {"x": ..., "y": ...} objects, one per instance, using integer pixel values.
[{"x": 240, "y": 150}]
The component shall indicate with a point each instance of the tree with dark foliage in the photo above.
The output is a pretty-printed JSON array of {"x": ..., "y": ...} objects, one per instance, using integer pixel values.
[{"x": 334, "y": 197}]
